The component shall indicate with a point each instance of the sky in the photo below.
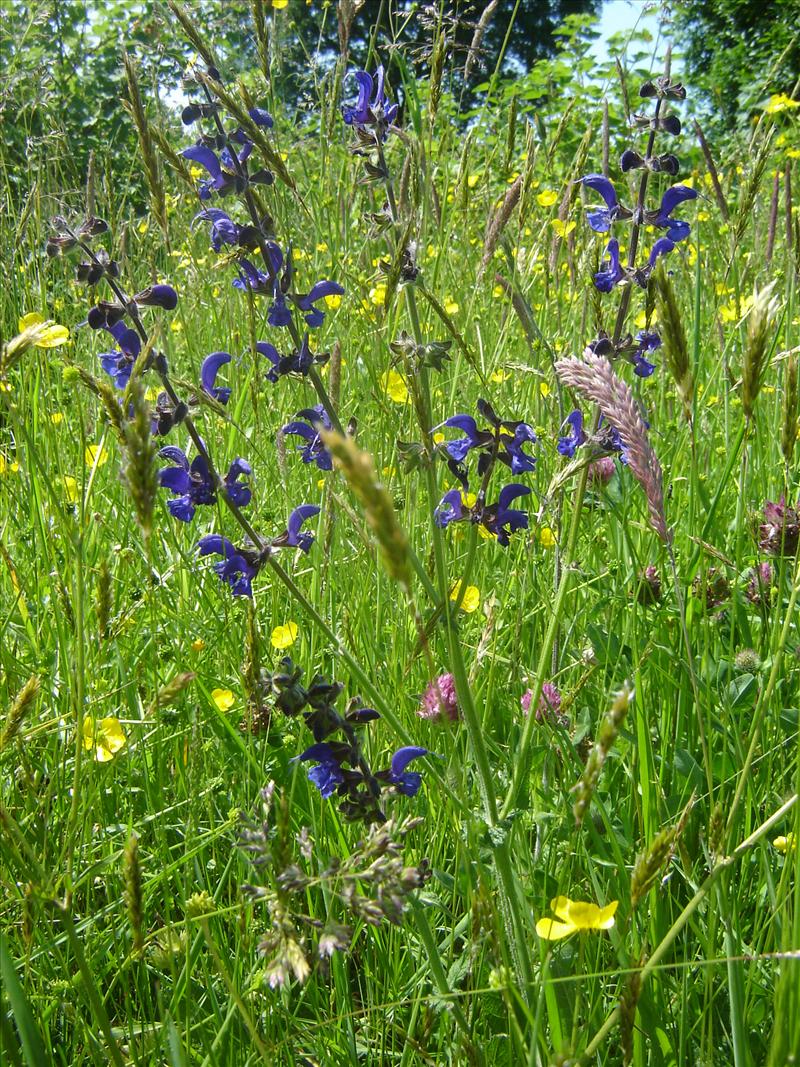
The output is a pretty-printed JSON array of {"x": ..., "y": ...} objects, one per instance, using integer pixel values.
[{"x": 622, "y": 15}]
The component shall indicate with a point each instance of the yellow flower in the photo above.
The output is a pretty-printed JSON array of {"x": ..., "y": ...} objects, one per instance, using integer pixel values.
[
  {"x": 469, "y": 500},
  {"x": 499, "y": 376},
  {"x": 71, "y": 489},
  {"x": 57, "y": 417},
  {"x": 44, "y": 333},
  {"x": 547, "y": 197},
  {"x": 640, "y": 322},
  {"x": 333, "y": 300},
  {"x": 106, "y": 737},
  {"x": 472, "y": 597},
  {"x": 196, "y": 172},
  {"x": 497, "y": 291},
  {"x": 377, "y": 294},
  {"x": 394, "y": 386},
  {"x": 198, "y": 645},
  {"x": 6, "y": 467},
  {"x": 575, "y": 915},
  {"x": 563, "y": 229},
  {"x": 780, "y": 102},
  {"x": 472, "y": 180},
  {"x": 279, "y": 5},
  {"x": 547, "y": 539},
  {"x": 95, "y": 455},
  {"x": 785, "y": 844},
  {"x": 438, "y": 437},
  {"x": 284, "y": 636},
  {"x": 450, "y": 306},
  {"x": 544, "y": 389},
  {"x": 223, "y": 698}
]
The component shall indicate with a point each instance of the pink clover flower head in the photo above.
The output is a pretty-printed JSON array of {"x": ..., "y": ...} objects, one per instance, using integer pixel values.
[
  {"x": 759, "y": 588},
  {"x": 549, "y": 706},
  {"x": 779, "y": 534},
  {"x": 601, "y": 471},
  {"x": 439, "y": 700}
]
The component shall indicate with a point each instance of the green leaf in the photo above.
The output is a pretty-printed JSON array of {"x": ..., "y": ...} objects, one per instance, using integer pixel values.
[{"x": 32, "y": 1044}]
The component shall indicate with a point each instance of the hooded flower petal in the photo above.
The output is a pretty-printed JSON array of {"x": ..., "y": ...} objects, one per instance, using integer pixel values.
[{"x": 208, "y": 376}]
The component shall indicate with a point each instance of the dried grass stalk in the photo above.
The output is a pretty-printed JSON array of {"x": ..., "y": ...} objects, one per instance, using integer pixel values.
[
  {"x": 789, "y": 420},
  {"x": 498, "y": 223},
  {"x": 155, "y": 184}
]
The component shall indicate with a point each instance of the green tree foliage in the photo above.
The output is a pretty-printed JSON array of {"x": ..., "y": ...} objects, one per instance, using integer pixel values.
[{"x": 738, "y": 50}]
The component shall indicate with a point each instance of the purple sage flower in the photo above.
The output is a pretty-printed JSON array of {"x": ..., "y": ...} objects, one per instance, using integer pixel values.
[
  {"x": 293, "y": 536},
  {"x": 611, "y": 271},
  {"x": 208, "y": 376},
  {"x": 405, "y": 782},
  {"x": 158, "y": 296},
  {"x": 371, "y": 107},
  {"x": 327, "y": 775},
  {"x": 119, "y": 363},
  {"x": 677, "y": 229},
  {"x": 600, "y": 219},
  {"x": 568, "y": 445},
  {"x": 224, "y": 231},
  {"x": 312, "y": 450},
  {"x": 239, "y": 566},
  {"x": 194, "y": 486}
]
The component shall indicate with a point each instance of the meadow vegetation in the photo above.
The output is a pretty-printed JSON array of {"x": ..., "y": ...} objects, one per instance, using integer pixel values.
[{"x": 399, "y": 521}]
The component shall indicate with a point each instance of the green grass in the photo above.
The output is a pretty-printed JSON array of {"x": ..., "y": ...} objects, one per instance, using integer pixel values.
[{"x": 464, "y": 977}]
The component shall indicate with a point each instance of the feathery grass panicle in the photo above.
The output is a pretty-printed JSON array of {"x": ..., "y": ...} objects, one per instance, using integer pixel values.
[
  {"x": 102, "y": 599},
  {"x": 498, "y": 223},
  {"x": 477, "y": 37},
  {"x": 773, "y": 218},
  {"x": 359, "y": 471},
  {"x": 789, "y": 420},
  {"x": 436, "y": 74},
  {"x": 757, "y": 347},
  {"x": 607, "y": 735},
  {"x": 650, "y": 862},
  {"x": 176, "y": 162},
  {"x": 673, "y": 335},
  {"x": 170, "y": 691},
  {"x": 627, "y": 1010},
  {"x": 155, "y": 184},
  {"x": 20, "y": 706},
  {"x": 133, "y": 892},
  {"x": 594, "y": 378},
  {"x": 139, "y": 469},
  {"x": 189, "y": 27},
  {"x": 752, "y": 184},
  {"x": 713, "y": 173},
  {"x": 261, "y": 32}
]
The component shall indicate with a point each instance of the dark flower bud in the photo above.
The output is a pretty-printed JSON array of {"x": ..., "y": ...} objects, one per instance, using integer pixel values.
[
  {"x": 163, "y": 296},
  {"x": 670, "y": 124},
  {"x": 92, "y": 227},
  {"x": 648, "y": 90},
  {"x": 488, "y": 412},
  {"x": 214, "y": 73},
  {"x": 59, "y": 245},
  {"x": 105, "y": 314},
  {"x": 160, "y": 363},
  {"x": 666, "y": 164},
  {"x": 262, "y": 177},
  {"x": 630, "y": 160}
]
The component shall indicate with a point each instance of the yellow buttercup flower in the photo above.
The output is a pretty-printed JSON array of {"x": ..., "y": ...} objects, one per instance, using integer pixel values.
[
  {"x": 71, "y": 489},
  {"x": 575, "y": 915},
  {"x": 377, "y": 294},
  {"x": 106, "y": 737},
  {"x": 284, "y": 636},
  {"x": 563, "y": 229},
  {"x": 780, "y": 102},
  {"x": 43, "y": 333},
  {"x": 6, "y": 467},
  {"x": 95, "y": 455},
  {"x": 279, "y": 5},
  {"x": 198, "y": 644},
  {"x": 394, "y": 386},
  {"x": 472, "y": 597},
  {"x": 450, "y": 306},
  {"x": 785, "y": 844},
  {"x": 333, "y": 300},
  {"x": 547, "y": 197},
  {"x": 547, "y": 539},
  {"x": 223, "y": 698}
]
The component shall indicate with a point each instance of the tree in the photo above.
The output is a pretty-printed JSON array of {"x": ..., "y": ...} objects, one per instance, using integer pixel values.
[{"x": 738, "y": 50}]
